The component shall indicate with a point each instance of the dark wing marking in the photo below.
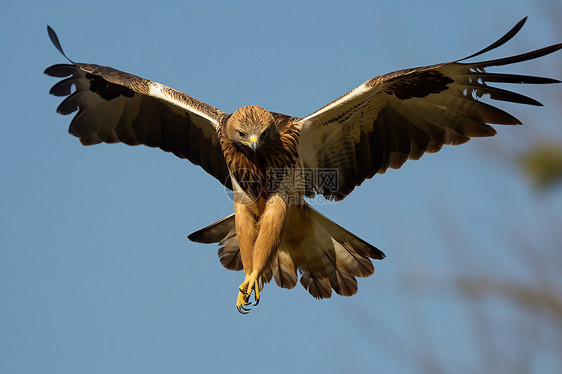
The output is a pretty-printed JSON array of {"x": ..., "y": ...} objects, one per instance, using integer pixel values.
[
  {"x": 114, "y": 106},
  {"x": 399, "y": 116}
]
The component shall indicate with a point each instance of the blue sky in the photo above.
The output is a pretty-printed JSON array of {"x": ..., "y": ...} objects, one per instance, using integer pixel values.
[{"x": 96, "y": 273}]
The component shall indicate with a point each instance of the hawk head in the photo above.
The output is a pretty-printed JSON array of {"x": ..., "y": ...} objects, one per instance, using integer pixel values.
[{"x": 251, "y": 127}]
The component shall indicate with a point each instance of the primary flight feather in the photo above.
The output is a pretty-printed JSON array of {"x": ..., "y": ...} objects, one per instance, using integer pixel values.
[{"x": 273, "y": 161}]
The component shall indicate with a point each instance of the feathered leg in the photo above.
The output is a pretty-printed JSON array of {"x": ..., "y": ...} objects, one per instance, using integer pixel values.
[
  {"x": 270, "y": 226},
  {"x": 246, "y": 231}
]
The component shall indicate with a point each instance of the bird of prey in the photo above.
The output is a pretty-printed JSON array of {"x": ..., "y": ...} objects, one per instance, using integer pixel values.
[{"x": 273, "y": 162}]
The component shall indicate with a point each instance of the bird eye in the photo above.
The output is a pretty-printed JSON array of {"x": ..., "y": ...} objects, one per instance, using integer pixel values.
[{"x": 242, "y": 134}]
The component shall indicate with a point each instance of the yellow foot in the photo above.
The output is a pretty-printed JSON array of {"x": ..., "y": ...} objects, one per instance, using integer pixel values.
[{"x": 245, "y": 292}]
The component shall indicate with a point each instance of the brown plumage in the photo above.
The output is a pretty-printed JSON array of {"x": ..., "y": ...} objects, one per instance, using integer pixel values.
[
  {"x": 277, "y": 138},
  {"x": 272, "y": 161}
]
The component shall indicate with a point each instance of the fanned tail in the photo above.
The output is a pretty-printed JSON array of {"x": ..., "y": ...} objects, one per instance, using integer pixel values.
[{"x": 328, "y": 256}]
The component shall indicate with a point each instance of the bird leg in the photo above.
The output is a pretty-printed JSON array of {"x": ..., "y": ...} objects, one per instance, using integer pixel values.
[
  {"x": 246, "y": 232},
  {"x": 266, "y": 243}
]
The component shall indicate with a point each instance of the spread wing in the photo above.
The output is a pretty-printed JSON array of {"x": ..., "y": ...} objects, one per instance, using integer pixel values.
[
  {"x": 399, "y": 116},
  {"x": 114, "y": 106}
]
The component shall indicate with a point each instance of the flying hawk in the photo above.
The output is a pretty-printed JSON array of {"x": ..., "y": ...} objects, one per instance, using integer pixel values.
[{"x": 273, "y": 161}]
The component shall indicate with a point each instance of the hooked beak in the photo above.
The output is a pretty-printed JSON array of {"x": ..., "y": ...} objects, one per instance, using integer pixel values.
[{"x": 254, "y": 143}]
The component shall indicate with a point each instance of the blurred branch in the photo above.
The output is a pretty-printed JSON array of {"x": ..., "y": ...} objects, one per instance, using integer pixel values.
[
  {"x": 542, "y": 164},
  {"x": 537, "y": 299}
]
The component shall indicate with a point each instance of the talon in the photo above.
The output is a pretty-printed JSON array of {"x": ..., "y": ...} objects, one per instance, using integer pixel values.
[{"x": 243, "y": 303}]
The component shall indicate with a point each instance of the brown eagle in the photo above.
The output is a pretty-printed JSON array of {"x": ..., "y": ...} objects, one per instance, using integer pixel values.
[{"x": 273, "y": 161}]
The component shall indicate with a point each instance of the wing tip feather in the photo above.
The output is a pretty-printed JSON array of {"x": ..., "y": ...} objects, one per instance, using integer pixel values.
[
  {"x": 55, "y": 40},
  {"x": 501, "y": 41}
]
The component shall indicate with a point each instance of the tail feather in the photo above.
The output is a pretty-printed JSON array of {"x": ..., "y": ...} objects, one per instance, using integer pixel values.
[
  {"x": 343, "y": 283},
  {"x": 215, "y": 232},
  {"x": 284, "y": 270},
  {"x": 325, "y": 251},
  {"x": 229, "y": 253},
  {"x": 318, "y": 287},
  {"x": 224, "y": 233},
  {"x": 360, "y": 246},
  {"x": 328, "y": 256},
  {"x": 354, "y": 263}
]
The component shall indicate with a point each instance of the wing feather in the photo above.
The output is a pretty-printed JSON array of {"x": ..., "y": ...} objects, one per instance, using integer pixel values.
[
  {"x": 506, "y": 78},
  {"x": 114, "y": 106},
  {"x": 401, "y": 115}
]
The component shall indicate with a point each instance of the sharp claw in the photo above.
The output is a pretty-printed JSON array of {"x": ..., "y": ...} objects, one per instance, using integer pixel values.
[{"x": 246, "y": 289}]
